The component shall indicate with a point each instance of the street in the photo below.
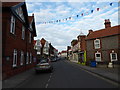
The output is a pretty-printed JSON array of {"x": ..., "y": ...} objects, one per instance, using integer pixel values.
[{"x": 65, "y": 75}]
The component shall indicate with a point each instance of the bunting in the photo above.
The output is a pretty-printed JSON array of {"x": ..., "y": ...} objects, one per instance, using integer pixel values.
[
  {"x": 110, "y": 4},
  {"x": 98, "y": 9},
  {"x": 82, "y": 14}
]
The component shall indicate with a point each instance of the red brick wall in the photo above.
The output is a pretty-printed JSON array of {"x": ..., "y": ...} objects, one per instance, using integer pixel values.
[{"x": 11, "y": 42}]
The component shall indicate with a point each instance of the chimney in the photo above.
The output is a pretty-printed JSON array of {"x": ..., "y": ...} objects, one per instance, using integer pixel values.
[
  {"x": 33, "y": 14},
  {"x": 90, "y": 31},
  {"x": 107, "y": 23}
]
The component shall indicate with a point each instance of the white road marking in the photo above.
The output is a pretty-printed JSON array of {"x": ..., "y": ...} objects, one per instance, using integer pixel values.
[
  {"x": 46, "y": 85},
  {"x": 48, "y": 81}
]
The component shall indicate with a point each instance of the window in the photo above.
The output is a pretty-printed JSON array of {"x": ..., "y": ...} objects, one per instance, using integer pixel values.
[
  {"x": 22, "y": 58},
  {"x": 15, "y": 58},
  {"x": 12, "y": 28},
  {"x": 98, "y": 56},
  {"x": 30, "y": 57},
  {"x": 113, "y": 56},
  {"x": 97, "y": 43},
  {"x": 23, "y": 32},
  {"x": 30, "y": 38},
  {"x": 27, "y": 60},
  {"x": 19, "y": 11}
]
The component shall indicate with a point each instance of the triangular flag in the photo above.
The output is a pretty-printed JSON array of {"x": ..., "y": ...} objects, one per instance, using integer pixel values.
[
  {"x": 82, "y": 14},
  {"x": 91, "y": 11},
  {"x": 98, "y": 9},
  {"x": 77, "y": 16},
  {"x": 69, "y": 17},
  {"x": 110, "y": 4}
]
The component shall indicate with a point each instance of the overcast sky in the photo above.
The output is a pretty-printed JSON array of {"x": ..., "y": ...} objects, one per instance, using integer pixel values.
[{"x": 60, "y": 34}]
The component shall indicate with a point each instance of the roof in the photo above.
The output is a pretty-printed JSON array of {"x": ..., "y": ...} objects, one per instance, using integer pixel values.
[
  {"x": 30, "y": 18},
  {"x": 104, "y": 32},
  {"x": 64, "y": 52},
  {"x": 9, "y": 4},
  {"x": 43, "y": 41}
]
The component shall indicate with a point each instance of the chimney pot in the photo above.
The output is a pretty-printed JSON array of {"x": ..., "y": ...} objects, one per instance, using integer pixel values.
[
  {"x": 107, "y": 23},
  {"x": 90, "y": 31}
]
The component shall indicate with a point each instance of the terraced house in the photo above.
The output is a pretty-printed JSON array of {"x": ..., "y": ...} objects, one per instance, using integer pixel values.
[
  {"x": 103, "y": 45},
  {"x": 18, "y": 32}
]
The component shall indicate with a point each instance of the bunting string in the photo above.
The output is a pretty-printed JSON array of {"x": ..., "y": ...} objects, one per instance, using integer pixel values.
[{"x": 69, "y": 18}]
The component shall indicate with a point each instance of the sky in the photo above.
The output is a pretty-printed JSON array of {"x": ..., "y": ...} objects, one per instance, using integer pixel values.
[{"x": 60, "y": 34}]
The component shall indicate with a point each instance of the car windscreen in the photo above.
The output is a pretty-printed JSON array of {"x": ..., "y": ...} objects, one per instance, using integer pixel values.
[{"x": 43, "y": 61}]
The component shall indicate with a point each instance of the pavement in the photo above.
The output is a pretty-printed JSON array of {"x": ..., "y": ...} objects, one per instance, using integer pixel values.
[
  {"x": 17, "y": 79},
  {"x": 108, "y": 73}
]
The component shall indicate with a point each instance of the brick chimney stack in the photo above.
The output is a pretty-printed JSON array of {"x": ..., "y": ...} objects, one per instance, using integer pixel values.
[
  {"x": 107, "y": 23},
  {"x": 90, "y": 31}
]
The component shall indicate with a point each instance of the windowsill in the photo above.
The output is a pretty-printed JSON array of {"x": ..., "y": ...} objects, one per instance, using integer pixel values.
[{"x": 14, "y": 67}]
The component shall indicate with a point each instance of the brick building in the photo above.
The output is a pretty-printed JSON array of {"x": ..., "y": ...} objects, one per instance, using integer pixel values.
[
  {"x": 82, "y": 48},
  {"x": 18, "y": 32},
  {"x": 104, "y": 45}
]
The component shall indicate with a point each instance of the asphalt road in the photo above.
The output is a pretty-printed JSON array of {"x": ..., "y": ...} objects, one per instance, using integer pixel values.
[{"x": 65, "y": 75}]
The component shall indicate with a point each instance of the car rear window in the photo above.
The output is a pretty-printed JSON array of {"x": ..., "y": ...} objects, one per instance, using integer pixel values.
[{"x": 43, "y": 61}]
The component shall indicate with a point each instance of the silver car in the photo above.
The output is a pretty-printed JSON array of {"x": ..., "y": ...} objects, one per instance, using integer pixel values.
[{"x": 43, "y": 66}]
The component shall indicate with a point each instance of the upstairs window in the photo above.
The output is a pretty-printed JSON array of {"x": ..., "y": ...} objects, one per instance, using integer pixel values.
[
  {"x": 15, "y": 58},
  {"x": 23, "y": 32},
  {"x": 12, "y": 25},
  {"x": 97, "y": 43},
  {"x": 30, "y": 37},
  {"x": 19, "y": 11}
]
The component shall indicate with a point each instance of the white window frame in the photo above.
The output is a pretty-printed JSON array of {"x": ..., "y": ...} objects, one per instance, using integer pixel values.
[
  {"x": 30, "y": 57},
  {"x": 22, "y": 58},
  {"x": 30, "y": 37},
  {"x": 12, "y": 25},
  {"x": 97, "y": 57},
  {"x": 27, "y": 58},
  {"x": 112, "y": 58},
  {"x": 19, "y": 11},
  {"x": 15, "y": 58},
  {"x": 23, "y": 32},
  {"x": 97, "y": 45}
]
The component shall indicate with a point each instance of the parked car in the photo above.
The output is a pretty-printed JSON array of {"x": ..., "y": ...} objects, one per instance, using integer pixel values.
[
  {"x": 43, "y": 66},
  {"x": 53, "y": 60}
]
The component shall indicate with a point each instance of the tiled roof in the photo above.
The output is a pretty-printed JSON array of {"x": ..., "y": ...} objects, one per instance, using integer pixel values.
[
  {"x": 9, "y": 4},
  {"x": 64, "y": 52},
  {"x": 104, "y": 32}
]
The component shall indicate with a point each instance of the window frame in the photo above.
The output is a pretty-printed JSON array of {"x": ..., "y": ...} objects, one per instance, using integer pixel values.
[
  {"x": 112, "y": 58},
  {"x": 30, "y": 57},
  {"x": 30, "y": 35},
  {"x": 12, "y": 25},
  {"x": 14, "y": 58},
  {"x": 23, "y": 32},
  {"x": 97, "y": 47},
  {"x": 97, "y": 57},
  {"x": 27, "y": 58},
  {"x": 22, "y": 58}
]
